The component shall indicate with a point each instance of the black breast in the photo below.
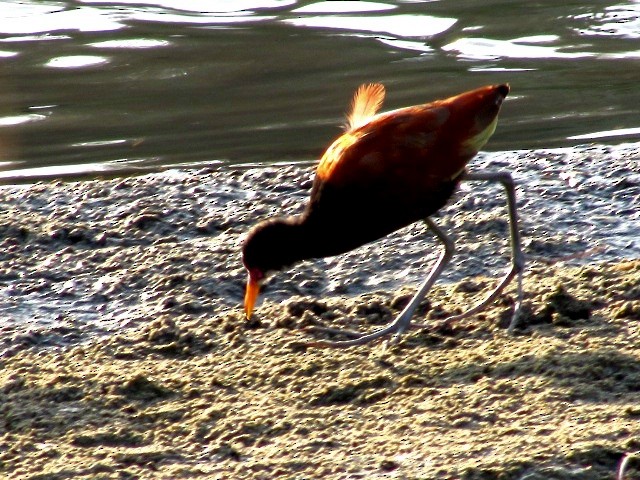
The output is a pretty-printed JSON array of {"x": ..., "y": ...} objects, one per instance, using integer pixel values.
[{"x": 342, "y": 220}]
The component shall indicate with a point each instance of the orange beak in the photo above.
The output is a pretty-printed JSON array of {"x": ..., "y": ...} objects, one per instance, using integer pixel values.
[{"x": 251, "y": 295}]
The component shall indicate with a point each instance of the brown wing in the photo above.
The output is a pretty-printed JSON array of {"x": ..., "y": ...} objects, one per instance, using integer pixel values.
[
  {"x": 411, "y": 149},
  {"x": 388, "y": 142}
]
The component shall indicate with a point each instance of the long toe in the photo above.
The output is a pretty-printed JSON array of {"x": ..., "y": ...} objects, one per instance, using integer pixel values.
[{"x": 395, "y": 328}]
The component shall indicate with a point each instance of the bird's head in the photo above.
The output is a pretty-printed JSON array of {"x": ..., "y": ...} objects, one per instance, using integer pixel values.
[{"x": 270, "y": 246}]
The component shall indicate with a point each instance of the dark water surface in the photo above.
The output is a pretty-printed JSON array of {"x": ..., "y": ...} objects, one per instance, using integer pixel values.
[{"x": 98, "y": 85}]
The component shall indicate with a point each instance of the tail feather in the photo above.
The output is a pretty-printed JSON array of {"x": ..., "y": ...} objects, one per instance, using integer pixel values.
[{"x": 366, "y": 102}]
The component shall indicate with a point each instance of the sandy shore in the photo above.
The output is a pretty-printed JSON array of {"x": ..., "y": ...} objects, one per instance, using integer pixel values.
[
  {"x": 196, "y": 396},
  {"x": 125, "y": 353}
]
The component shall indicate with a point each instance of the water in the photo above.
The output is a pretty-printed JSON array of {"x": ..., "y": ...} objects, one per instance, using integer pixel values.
[{"x": 94, "y": 86}]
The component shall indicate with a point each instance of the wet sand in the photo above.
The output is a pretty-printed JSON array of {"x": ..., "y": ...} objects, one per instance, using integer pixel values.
[
  {"x": 189, "y": 395},
  {"x": 125, "y": 353}
]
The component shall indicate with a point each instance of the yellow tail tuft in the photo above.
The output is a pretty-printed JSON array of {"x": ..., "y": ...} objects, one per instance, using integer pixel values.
[{"x": 366, "y": 102}]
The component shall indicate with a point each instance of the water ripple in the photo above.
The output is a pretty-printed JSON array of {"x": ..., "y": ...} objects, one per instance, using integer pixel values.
[
  {"x": 36, "y": 18},
  {"x": 486, "y": 48},
  {"x": 76, "y": 61},
  {"x": 615, "y": 21},
  {"x": 399, "y": 25}
]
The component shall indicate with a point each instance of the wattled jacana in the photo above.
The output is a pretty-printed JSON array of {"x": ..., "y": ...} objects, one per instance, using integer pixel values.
[{"x": 384, "y": 173}]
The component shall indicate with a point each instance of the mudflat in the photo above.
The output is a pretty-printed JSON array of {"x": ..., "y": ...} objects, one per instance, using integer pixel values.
[{"x": 125, "y": 353}]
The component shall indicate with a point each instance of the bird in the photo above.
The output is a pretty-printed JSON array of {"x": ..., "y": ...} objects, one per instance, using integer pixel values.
[{"x": 387, "y": 171}]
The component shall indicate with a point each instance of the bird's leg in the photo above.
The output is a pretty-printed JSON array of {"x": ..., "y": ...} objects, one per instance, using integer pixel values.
[
  {"x": 517, "y": 256},
  {"x": 403, "y": 320}
]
